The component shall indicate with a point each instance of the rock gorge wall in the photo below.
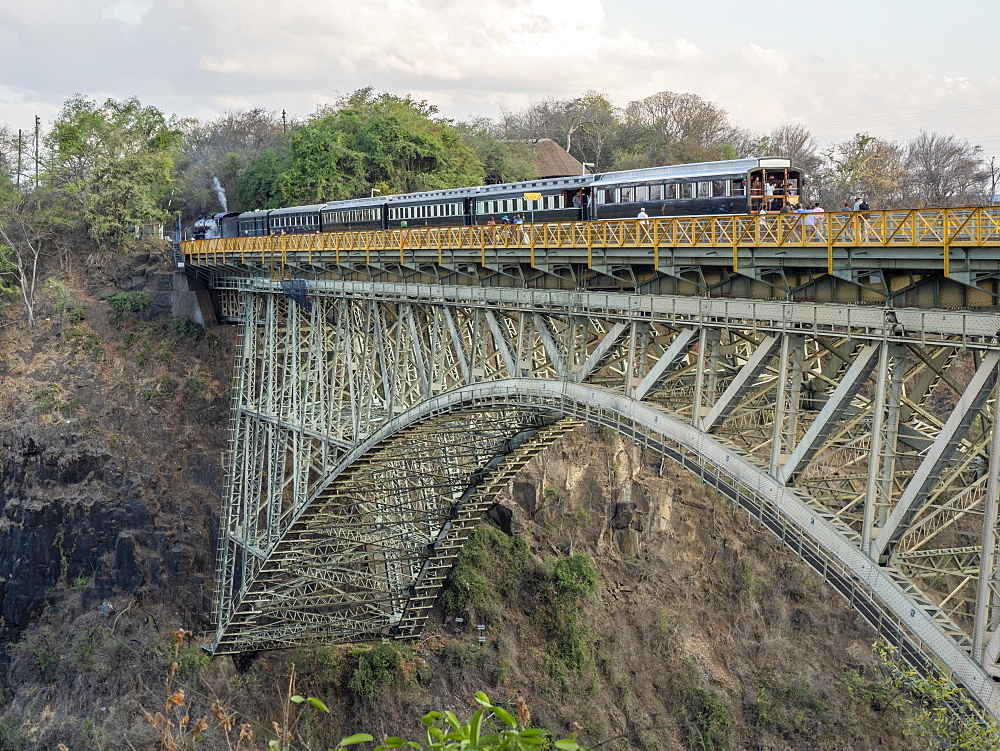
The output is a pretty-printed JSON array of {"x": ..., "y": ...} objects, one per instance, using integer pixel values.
[{"x": 111, "y": 436}]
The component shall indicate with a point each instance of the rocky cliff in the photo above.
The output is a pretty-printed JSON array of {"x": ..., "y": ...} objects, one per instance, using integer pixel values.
[{"x": 700, "y": 632}]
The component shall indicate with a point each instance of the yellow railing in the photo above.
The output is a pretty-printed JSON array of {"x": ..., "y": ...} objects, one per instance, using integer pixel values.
[{"x": 931, "y": 228}]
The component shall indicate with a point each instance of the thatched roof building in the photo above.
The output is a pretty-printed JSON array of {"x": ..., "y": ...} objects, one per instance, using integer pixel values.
[{"x": 552, "y": 160}]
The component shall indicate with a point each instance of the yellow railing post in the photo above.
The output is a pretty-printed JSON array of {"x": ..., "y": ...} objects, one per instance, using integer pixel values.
[{"x": 946, "y": 240}]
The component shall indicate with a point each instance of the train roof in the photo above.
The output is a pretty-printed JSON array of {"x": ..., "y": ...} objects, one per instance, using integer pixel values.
[
  {"x": 699, "y": 169},
  {"x": 298, "y": 209},
  {"x": 569, "y": 182},
  {"x": 526, "y": 186}
]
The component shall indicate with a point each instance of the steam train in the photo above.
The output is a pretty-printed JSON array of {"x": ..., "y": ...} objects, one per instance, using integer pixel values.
[{"x": 738, "y": 186}]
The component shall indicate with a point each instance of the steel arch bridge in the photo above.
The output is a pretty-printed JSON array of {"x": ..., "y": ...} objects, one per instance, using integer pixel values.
[{"x": 374, "y": 423}]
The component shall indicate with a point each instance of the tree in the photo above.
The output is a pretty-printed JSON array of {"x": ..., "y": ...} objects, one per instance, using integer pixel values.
[
  {"x": 866, "y": 166},
  {"x": 216, "y": 155},
  {"x": 26, "y": 230},
  {"x": 585, "y": 126},
  {"x": 945, "y": 171},
  {"x": 112, "y": 164},
  {"x": 255, "y": 177},
  {"x": 939, "y": 713},
  {"x": 503, "y": 161},
  {"x": 375, "y": 138},
  {"x": 793, "y": 142},
  {"x": 671, "y": 128}
]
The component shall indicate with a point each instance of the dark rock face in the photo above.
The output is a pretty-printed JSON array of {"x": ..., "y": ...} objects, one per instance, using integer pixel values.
[{"x": 71, "y": 515}]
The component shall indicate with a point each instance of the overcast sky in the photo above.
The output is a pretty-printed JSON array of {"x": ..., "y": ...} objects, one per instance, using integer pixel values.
[{"x": 837, "y": 68}]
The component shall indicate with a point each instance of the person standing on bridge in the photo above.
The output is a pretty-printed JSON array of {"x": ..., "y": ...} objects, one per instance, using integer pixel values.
[
  {"x": 643, "y": 218},
  {"x": 815, "y": 218}
]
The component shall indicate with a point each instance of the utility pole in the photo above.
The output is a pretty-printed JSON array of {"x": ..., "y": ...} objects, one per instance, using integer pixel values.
[
  {"x": 38, "y": 125},
  {"x": 20, "y": 145},
  {"x": 284, "y": 123}
]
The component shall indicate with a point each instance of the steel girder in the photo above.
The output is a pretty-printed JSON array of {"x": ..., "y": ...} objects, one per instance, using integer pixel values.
[{"x": 373, "y": 425}]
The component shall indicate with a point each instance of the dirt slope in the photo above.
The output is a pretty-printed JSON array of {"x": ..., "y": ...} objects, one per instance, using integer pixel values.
[{"x": 701, "y": 632}]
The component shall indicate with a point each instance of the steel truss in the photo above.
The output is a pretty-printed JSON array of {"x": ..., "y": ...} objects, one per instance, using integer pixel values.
[{"x": 374, "y": 424}]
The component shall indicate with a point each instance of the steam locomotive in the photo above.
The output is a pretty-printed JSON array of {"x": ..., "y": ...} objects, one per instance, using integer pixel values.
[{"x": 737, "y": 186}]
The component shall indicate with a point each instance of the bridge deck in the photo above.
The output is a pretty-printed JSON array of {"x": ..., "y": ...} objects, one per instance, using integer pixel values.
[{"x": 920, "y": 257}]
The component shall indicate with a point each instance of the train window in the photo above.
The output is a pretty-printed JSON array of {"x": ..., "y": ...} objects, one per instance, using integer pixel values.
[
  {"x": 655, "y": 192},
  {"x": 718, "y": 188},
  {"x": 641, "y": 193},
  {"x": 628, "y": 195},
  {"x": 687, "y": 190},
  {"x": 704, "y": 189},
  {"x": 673, "y": 191},
  {"x": 610, "y": 195},
  {"x": 737, "y": 188}
]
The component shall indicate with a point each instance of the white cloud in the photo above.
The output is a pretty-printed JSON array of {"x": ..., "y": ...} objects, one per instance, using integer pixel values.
[
  {"x": 202, "y": 56},
  {"x": 212, "y": 65},
  {"x": 127, "y": 11}
]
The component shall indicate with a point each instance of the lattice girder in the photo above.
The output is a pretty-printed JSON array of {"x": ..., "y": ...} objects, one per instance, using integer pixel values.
[{"x": 339, "y": 525}]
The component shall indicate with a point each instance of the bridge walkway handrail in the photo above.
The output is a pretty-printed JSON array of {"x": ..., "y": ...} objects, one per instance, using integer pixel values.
[{"x": 897, "y": 228}]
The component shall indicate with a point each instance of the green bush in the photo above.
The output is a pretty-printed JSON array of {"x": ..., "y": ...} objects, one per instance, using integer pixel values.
[
  {"x": 575, "y": 577},
  {"x": 938, "y": 712},
  {"x": 491, "y": 567},
  {"x": 12, "y": 736},
  {"x": 186, "y": 327},
  {"x": 376, "y": 667},
  {"x": 706, "y": 719},
  {"x": 125, "y": 303},
  {"x": 710, "y": 725}
]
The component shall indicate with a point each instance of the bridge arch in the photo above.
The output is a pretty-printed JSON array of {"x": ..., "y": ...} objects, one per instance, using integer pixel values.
[{"x": 513, "y": 419}]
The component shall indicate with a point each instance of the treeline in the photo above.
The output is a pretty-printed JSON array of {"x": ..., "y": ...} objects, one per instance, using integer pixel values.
[
  {"x": 104, "y": 169},
  {"x": 368, "y": 144}
]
